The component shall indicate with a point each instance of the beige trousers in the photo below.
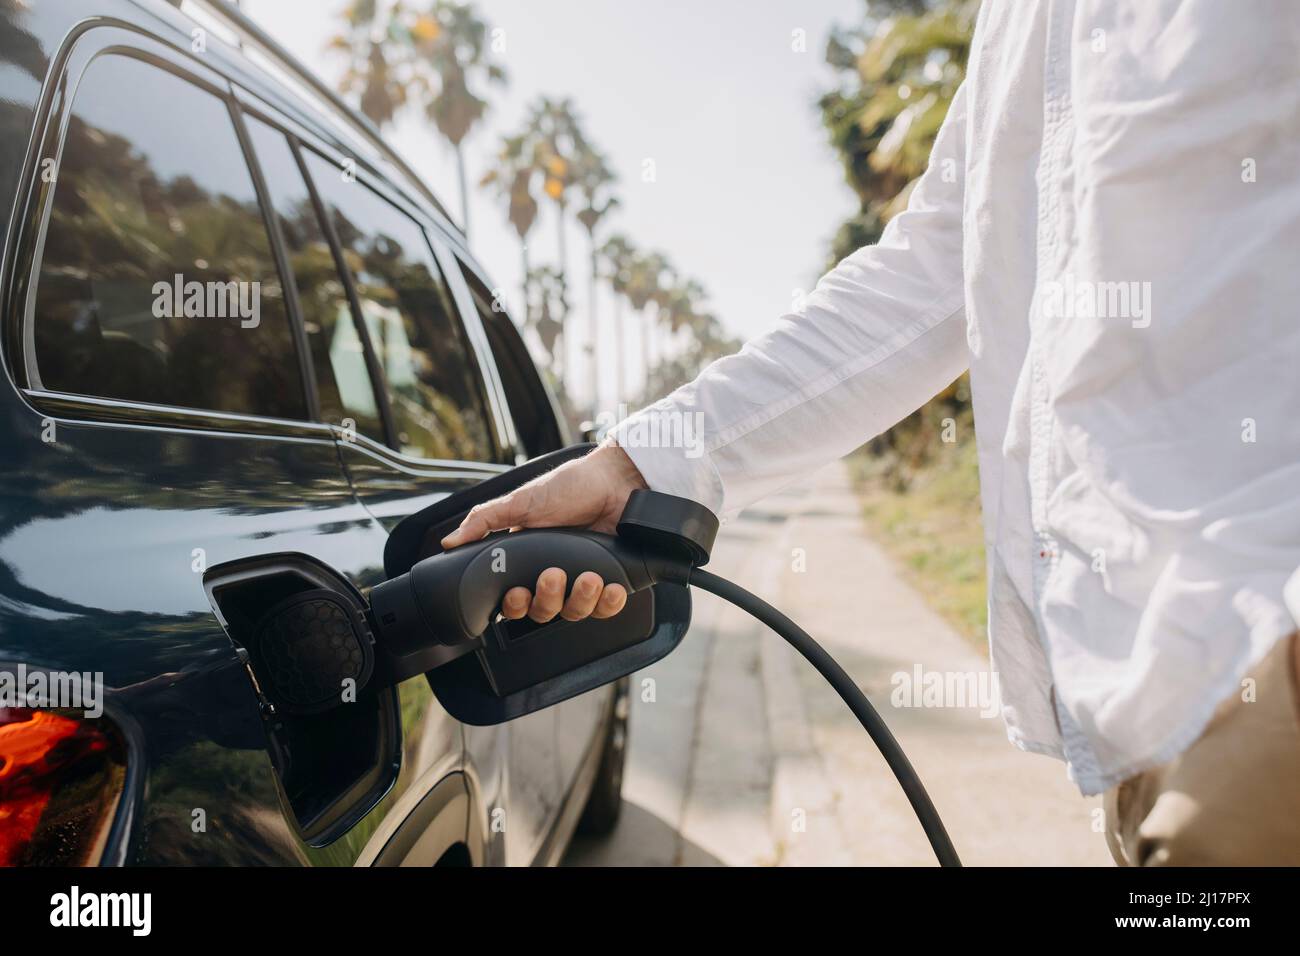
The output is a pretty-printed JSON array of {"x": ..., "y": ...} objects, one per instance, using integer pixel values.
[{"x": 1231, "y": 799}]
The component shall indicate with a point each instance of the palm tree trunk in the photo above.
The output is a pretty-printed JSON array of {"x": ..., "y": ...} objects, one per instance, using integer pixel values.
[
  {"x": 647, "y": 349},
  {"x": 523, "y": 285},
  {"x": 593, "y": 332},
  {"x": 464, "y": 190},
  {"x": 566, "y": 353},
  {"x": 620, "y": 360},
  {"x": 562, "y": 246}
]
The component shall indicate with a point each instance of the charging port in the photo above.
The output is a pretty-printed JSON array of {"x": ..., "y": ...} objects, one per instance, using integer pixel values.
[{"x": 334, "y": 765}]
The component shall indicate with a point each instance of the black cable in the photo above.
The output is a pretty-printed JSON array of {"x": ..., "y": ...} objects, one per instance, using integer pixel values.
[{"x": 871, "y": 721}]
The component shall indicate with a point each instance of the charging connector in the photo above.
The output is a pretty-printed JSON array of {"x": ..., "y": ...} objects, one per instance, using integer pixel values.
[{"x": 451, "y": 598}]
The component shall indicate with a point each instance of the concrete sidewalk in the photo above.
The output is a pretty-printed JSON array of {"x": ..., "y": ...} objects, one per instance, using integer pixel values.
[{"x": 741, "y": 755}]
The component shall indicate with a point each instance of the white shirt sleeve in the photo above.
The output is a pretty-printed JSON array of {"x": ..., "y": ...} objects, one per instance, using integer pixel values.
[{"x": 881, "y": 334}]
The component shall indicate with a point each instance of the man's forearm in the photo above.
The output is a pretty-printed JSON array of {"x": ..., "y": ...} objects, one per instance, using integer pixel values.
[{"x": 881, "y": 334}]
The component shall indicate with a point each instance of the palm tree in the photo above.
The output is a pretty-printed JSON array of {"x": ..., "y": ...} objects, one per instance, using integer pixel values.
[
  {"x": 898, "y": 71},
  {"x": 369, "y": 76},
  {"x": 556, "y": 140},
  {"x": 398, "y": 55},
  {"x": 644, "y": 288},
  {"x": 513, "y": 178},
  {"x": 449, "y": 40},
  {"x": 594, "y": 180},
  {"x": 707, "y": 342},
  {"x": 546, "y": 313},
  {"x": 898, "y": 77},
  {"x": 707, "y": 333},
  {"x": 618, "y": 255},
  {"x": 679, "y": 302},
  {"x": 661, "y": 300}
]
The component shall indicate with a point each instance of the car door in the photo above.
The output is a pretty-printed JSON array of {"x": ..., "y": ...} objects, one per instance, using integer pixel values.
[
  {"x": 164, "y": 428},
  {"x": 398, "y": 376}
]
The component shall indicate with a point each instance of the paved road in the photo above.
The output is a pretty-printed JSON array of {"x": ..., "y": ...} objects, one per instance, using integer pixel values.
[{"x": 741, "y": 756}]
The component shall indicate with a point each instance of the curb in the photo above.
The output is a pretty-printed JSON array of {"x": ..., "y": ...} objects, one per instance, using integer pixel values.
[{"x": 803, "y": 811}]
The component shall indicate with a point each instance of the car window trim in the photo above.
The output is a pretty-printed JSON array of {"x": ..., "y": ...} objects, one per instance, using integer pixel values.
[
  {"x": 489, "y": 377},
  {"x": 424, "y": 467},
  {"x": 537, "y": 383},
  {"x": 129, "y": 40},
  {"x": 50, "y": 140},
  {"x": 74, "y": 407},
  {"x": 82, "y": 45}
]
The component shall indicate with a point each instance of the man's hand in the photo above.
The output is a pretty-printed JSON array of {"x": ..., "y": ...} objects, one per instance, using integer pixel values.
[{"x": 587, "y": 493}]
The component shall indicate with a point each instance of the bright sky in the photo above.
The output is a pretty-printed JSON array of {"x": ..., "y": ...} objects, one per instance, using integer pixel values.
[{"x": 748, "y": 192}]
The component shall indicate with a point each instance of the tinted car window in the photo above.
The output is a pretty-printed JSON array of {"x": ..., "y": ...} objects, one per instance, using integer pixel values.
[
  {"x": 433, "y": 384},
  {"x": 342, "y": 377},
  {"x": 157, "y": 282},
  {"x": 530, "y": 406}
]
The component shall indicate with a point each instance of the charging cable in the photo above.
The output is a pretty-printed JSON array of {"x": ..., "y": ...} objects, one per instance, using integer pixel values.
[{"x": 849, "y": 692}]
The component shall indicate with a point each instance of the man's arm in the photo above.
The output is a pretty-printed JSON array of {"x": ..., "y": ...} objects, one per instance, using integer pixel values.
[{"x": 881, "y": 334}]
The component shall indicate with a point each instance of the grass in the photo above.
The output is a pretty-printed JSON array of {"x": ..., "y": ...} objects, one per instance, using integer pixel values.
[{"x": 932, "y": 528}]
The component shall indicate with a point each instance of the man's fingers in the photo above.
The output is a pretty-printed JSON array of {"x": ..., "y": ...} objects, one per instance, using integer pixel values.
[
  {"x": 496, "y": 515},
  {"x": 549, "y": 597},
  {"x": 612, "y": 600},
  {"x": 582, "y": 599},
  {"x": 515, "y": 604},
  {"x": 588, "y": 598}
]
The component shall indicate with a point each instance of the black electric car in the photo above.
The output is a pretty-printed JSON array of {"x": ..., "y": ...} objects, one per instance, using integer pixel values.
[{"x": 241, "y": 343}]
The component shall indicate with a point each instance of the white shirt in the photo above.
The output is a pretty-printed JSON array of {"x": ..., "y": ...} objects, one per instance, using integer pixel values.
[{"x": 1108, "y": 236}]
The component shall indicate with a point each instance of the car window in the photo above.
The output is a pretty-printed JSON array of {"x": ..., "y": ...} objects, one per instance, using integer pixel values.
[
  {"x": 343, "y": 383},
  {"x": 433, "y": 384},
  {"x": 156, "y": 280},
  {"x": 530, "y": 406}
]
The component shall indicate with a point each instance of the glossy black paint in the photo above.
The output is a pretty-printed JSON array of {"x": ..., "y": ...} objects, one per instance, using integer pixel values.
[{"x": 110, "y": 516}]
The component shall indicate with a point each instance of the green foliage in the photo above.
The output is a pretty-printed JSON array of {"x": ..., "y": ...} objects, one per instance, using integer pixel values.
[{"x": 898, "y": 71}]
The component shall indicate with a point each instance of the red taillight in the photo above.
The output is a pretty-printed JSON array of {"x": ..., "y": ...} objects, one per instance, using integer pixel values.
[{"x": 61, "y": 776}]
